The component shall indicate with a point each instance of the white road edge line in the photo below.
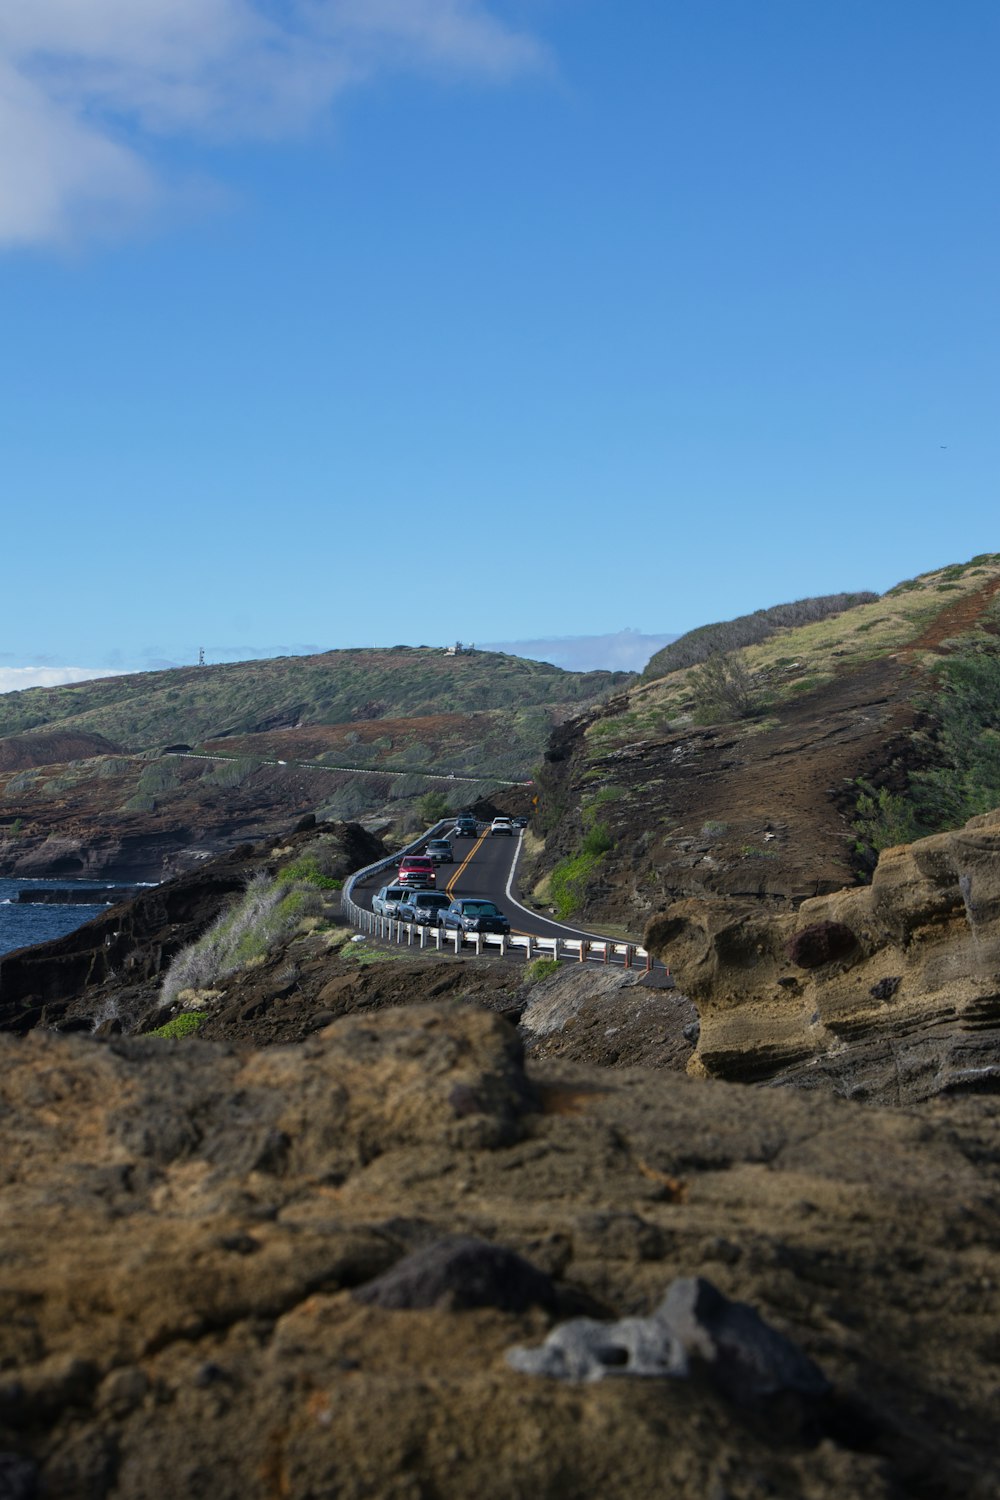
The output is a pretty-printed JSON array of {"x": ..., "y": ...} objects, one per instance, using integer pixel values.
[{"x": 576, "y": 931}]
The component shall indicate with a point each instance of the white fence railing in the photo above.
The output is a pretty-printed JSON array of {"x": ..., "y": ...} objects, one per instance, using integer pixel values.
[{"x": 416, "y": 935}]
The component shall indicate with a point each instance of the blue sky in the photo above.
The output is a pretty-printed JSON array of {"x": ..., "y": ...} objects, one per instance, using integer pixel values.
[{"x": 339, "y": 322}]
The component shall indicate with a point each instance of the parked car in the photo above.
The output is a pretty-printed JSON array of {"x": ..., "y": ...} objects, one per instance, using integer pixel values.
[
  {"x": 385, "y": 902},
  {"x": 474, "y": 914},
  {"x": 440, "y": 851},
  {"x": 466, "y": 827},
  {"x": 416, "y": 869},
  {"x": 423, "y": 907},
  {"x": 502, "y": 825}
]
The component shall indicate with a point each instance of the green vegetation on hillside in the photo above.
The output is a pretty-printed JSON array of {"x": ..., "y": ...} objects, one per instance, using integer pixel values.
[
  {"x": 193, "y": 704},
  {"x": 747, "y": 630},
  {"x": 961, "y": 750},
  {"x": 248, "y": 930},
  {"x": 794, "y": 660}
]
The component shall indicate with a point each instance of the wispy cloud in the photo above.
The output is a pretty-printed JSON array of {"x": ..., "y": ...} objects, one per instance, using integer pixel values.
[
  {"x": 13, "y": 678},
  {"x": 86, "y": 89}
]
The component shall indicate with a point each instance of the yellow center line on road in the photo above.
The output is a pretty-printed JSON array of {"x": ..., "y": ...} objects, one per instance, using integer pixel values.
[{"x": 450, "y": 887}]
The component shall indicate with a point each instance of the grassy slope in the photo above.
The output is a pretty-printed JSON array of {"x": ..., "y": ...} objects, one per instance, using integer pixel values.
[
  {"x": 796, "y": 660},
  {"x": 198, "y": 703}
]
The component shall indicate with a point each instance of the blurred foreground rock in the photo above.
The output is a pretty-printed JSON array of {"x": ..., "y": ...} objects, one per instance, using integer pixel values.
[{"x": 183, "y": 1226}]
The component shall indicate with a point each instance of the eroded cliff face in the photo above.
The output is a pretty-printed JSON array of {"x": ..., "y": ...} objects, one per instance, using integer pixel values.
[
  {"x": 207, "y": 1291},
  {"x": 889, "y": 991}
]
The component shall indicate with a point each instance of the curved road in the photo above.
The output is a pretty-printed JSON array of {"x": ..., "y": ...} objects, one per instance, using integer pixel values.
[{"x": 484, "y": 866}]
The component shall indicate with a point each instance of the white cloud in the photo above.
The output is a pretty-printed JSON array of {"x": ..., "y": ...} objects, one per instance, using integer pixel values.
[
  {"x": 85, "y": 88},
  {"x": 14, "y": 678}
]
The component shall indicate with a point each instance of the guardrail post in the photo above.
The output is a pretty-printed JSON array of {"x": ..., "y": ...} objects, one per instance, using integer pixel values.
[
  {"x": 606, "y": 946},
  {"x": 584, "y": 945},
  {"x": 628, "y": 955}
]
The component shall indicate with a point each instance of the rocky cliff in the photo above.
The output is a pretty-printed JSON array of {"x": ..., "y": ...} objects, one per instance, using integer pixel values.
[
  {"x": 890, "y": 990},
  {"x": 658, "y": 795}
]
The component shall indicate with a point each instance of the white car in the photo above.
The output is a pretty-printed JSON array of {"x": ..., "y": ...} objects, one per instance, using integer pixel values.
[{"x": 502, "y": 825}]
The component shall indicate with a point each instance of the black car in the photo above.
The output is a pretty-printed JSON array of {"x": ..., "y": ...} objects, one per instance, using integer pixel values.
[
  {"x": 474, "y": 914},
  {"x": 466, "y": 827},
  {"x": 425, "y": 908}
]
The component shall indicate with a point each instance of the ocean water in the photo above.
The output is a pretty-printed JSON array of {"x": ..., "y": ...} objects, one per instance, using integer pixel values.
[{"x": 21, "y": 925}]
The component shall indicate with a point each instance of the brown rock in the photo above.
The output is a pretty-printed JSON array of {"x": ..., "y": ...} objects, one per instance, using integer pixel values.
[
  {"x": 897, "y": 994},
  {"x": 181, "y": 1225}
]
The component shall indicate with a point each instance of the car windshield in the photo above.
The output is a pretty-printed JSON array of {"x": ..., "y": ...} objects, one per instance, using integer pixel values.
[
  {"x": 431, "y": 900},
  {"x": 479, "y": 909}
]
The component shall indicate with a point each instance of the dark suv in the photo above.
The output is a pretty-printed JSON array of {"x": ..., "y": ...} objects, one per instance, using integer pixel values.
[
  {"x": 474, "y": 914},
  {"x": 466, "y": 827},
  {"x": 422, "y": 907}
]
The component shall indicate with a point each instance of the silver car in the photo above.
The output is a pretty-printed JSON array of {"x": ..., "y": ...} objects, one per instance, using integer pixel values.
[{"x": 385, "y": 903}]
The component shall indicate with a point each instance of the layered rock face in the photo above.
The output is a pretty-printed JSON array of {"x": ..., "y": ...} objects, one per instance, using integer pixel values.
[
  {"x": 103, "y": 966},
  {"x": 301, "y": 1272},
  {"x": 889, "y": 991}
]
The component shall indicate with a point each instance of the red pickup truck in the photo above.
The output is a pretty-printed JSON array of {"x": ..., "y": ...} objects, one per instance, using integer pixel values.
[{"x": 417, "y": 870}]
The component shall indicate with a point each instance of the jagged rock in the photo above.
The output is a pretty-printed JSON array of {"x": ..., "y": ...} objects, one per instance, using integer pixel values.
[
  {"x": 608, "y": 1016},
  {"x": 905, "y": 1007},
  {"x": 134, "y": 942},
  {"x": 585, "y": 1349},
  {"x": 461, "y": 1273},
  {"x": 695, "y": 1326},
  {"x": 748, "y": 1361}
]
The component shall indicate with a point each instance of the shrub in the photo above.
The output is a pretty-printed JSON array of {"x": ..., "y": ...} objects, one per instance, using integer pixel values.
[
  {"x": 186, "y": 1024},
  {"x": 597, "y": 840},
  {"x": 308, "y": 870},
  {"x": 724, "y": 685},
  {"x": 883, "y": 819},
  {"x": 433, "y": 806},
  {"x": 267, "y": 911},
  {"x": 541, "y": 968},
  {"x": 568, "y": 881}
]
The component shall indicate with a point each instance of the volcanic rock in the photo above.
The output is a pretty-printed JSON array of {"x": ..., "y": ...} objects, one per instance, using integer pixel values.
[
  {"x": 888, "y": 992},
  {"x": 182, "y": 1225}
]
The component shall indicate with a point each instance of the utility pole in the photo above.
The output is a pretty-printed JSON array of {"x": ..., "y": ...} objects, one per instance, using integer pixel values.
[{"x": 201, "y": 656}]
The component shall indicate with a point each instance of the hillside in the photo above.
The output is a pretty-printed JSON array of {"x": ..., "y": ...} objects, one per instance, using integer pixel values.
[
  {"x": 86, "y": 790},
  {"x": 192, "y": 704},
  {"x": 740, "y": 776}
]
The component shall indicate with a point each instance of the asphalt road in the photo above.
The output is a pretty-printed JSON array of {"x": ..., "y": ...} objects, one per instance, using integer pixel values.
[{"x": 484, "y": 866}]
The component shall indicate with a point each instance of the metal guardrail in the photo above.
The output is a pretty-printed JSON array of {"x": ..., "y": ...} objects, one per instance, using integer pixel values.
[
  {"x": 349, "y": 906},
  {"x": 413, "y": 934}
]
